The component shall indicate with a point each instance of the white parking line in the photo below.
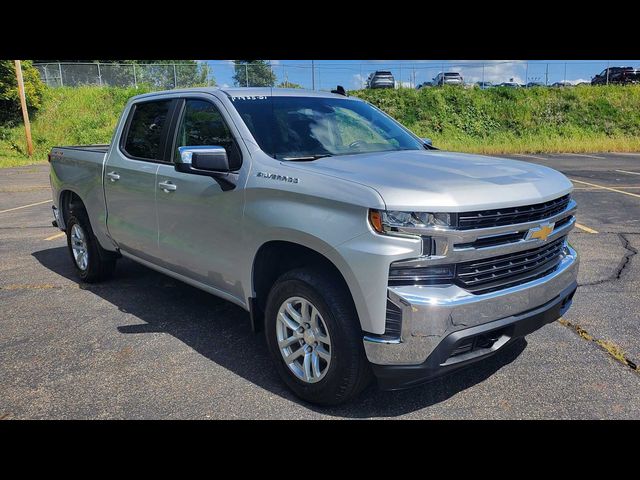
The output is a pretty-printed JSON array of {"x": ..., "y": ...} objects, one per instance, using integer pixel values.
[
  {"x": 25, "y": 206},
  {"x": 529, "y": 156},
  {"x": 631, "y": 173},
  {"x": 57, "y": 235},
  {"x": 585, "y": 155},
  {"x": 626, "y": 153},
  {"x": 607, "y": 188},
  {"x": 586, "y": 229}
]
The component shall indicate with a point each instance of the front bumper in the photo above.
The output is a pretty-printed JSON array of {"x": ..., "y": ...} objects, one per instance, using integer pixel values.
[
  {"x": 495, "y": 334},
  {"x": 431, "y": 314}
]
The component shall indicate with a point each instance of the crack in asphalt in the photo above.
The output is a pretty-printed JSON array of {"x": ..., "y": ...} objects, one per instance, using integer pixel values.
[
  {"x": 626, "y": 259},
  {"x": 607, "y": 346}
]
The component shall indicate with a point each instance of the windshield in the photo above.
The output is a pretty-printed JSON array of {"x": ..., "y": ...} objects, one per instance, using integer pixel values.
[{"x": 291, "y": 128}]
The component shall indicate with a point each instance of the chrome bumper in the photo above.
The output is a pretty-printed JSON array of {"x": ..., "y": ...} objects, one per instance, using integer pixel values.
[{"x": 430, "y": 313}]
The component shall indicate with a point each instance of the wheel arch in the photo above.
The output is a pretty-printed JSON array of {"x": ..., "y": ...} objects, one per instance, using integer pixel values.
[
  {"x": 276, "y": 257},
  {"x": 69, "y": 200}
]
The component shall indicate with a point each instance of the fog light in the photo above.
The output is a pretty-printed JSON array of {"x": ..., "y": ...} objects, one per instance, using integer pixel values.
[{"x": 421, "y": 275}]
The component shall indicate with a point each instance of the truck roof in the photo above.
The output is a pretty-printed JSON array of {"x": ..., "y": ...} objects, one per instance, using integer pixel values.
[{"x": 248, "y": 92}]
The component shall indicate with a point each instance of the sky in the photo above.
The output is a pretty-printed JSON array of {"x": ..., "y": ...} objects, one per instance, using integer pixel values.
[{"x": 352, "y": 74}]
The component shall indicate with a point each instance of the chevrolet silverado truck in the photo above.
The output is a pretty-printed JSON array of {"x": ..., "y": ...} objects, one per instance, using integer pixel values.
[{"x": 360, "y": 250}]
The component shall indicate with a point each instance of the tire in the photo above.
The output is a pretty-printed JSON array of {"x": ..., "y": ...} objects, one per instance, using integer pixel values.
[
  {"x": 100, "y": 263},
  {"x": 348, "y": 372}
]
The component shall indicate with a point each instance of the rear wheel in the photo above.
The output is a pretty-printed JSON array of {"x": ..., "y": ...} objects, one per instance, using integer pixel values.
[
  {"x": 314, "y": 337},
  {"x": 91, "y": 261}
]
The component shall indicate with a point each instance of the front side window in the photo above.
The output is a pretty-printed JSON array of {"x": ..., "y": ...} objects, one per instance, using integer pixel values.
[
  {"x": 144, "y": 136},
  {"x": 203, "y": 124},
  {"x": 291, "y": 128}
]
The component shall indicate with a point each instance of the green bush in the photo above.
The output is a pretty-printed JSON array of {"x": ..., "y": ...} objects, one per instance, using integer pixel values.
[
  {"x": 501, "y": 120},
  {"x": 10, "y": 112},
  {"x": 69, "y": 116}
]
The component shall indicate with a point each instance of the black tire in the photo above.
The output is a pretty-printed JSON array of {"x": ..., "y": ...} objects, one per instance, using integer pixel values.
[
  {"x": 101, "y": 263},
  {"x": 349, "y": 370}
]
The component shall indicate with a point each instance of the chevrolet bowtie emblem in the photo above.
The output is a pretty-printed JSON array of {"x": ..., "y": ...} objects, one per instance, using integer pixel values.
[{"x": 542, "y": 232}]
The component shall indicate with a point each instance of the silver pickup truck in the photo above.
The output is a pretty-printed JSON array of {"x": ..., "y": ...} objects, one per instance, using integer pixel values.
[{"x": 359, "y": 249}]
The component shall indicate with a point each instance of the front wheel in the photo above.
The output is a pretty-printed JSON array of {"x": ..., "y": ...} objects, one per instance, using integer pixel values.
[{"x": 314, "y": 337}]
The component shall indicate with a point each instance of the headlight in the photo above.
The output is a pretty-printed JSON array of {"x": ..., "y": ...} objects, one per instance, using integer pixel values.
[{"x": 412, "y": 223}]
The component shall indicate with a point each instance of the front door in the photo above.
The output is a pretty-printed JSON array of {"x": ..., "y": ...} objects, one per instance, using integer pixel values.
[{"x": 200, "y": 223}]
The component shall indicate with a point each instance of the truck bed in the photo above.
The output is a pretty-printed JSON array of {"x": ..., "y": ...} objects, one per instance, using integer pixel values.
[{"x": 99, "y": 147}]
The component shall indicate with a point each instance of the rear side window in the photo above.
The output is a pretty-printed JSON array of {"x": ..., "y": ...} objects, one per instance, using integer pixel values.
[{"x": 144, "y": 137}]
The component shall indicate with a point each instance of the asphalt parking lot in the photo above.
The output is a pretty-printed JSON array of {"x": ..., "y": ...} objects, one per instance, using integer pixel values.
[{"x": 143, "y": 345}]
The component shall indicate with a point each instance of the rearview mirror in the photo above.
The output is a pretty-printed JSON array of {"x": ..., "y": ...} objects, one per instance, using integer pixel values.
[{"x": 203, "y": 159}]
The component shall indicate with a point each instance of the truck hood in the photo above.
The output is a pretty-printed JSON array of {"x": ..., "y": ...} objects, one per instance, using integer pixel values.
[{"x": 445, "y": 181}]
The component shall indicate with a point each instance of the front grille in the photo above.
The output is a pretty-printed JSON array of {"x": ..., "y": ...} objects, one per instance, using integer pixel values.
[
  {"x": 512, "y": 215},
  {"x": 504, "y": 239},
  {"x": 491, "y": 274}
]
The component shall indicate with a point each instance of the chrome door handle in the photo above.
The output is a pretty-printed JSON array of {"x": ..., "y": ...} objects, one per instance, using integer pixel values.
[
  {"x": 168, "y": 186},
  {"x": 113, "y": 176}
]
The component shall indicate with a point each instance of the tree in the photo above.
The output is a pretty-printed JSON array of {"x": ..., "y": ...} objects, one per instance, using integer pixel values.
[
  {"x": 253, "y": 73},
  {"x": 288, "y": 84},
  {"x": 9, "y": 99}
]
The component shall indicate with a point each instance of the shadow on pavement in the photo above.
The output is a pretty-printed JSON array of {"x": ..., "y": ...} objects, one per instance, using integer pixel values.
[{"x": 220, "y": 331}]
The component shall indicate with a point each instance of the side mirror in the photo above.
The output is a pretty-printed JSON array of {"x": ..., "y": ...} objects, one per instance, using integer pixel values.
[
  {"x": 428, "y": 144},
  {"x": 211, "y": 161},
  {"x": 203, "y": 159}
]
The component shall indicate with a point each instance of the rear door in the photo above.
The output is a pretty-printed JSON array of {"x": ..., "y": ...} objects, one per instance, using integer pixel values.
[
  {"x": 130, "y": 178},
  {"x": 199, "y": 222}
]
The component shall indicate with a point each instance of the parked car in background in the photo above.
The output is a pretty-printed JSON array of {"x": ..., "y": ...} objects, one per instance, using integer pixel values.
[
  {"x": 484, "y": 85},
  {"x": 510, "y": 85},
  {"x": 448, "y": 78},
  {"x": 381, "y": 79},
  {"x": 562, "y": 83},
  {"x": 617, "y": 75},
  {"x": 424, "y": 85},
  {"x": 535, "y": 84}
]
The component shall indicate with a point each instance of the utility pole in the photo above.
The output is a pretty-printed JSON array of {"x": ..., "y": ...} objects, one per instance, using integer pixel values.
[
  {"x": 313, "y": 75},
  {"x": 23, "y": 104},
  {"x": 546, "y": 75}
]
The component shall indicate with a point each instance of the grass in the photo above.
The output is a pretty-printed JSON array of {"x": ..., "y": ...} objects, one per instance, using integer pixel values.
[
  {"x": 494, "y": 121},
  {"x": 504, "y": 120},
  {"x": 68, "y": 116}
]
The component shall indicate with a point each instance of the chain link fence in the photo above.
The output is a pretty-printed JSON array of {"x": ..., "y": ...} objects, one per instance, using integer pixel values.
[
  {"x": 157, "y": 76},
  {"x": 321, "y": 75}
]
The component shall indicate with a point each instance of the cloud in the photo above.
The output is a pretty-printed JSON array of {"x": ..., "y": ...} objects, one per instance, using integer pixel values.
[
  {"x": 493, "y": 71},
  {"x": 359, "y": 81}
]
